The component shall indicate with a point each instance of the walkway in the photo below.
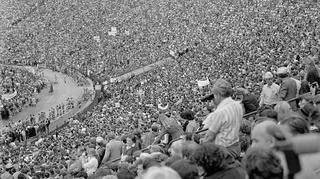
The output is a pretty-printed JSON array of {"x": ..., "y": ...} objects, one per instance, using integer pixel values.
[
  {"x": 48, "y": 100},
  {"x": 140, "y": 70}
]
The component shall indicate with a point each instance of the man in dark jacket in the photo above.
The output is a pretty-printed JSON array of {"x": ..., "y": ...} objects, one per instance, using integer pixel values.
[{"x": 288, "y": 87}]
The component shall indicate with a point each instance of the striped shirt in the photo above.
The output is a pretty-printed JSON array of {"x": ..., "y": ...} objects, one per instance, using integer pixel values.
[{"x": 225, "y": 121}]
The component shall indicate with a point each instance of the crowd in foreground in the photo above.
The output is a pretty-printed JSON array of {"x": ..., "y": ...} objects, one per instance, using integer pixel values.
[
  {"x": 162, "y": 141},
  {"x": 247, "y": 45}
]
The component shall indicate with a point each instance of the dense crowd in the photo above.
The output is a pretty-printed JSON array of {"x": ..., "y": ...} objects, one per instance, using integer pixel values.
[{"x": 270, "y": 49}]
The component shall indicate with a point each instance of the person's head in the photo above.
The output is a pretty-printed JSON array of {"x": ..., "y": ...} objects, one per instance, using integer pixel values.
[
  {"x": 188, "y": 115},
  {"x": 269, "y": 113},
  {"x": 91, "y": 152},
  {"x": 210, "y": 158},
  {"x": 22, "y": 176},
  {"x": 111, "y": 136},
  {"x": 131, "y": 140},
  {"x": 185, "y": 169},
  {"x": 282, "y": 108},
  {"x": 295, "y": 124},
  {"x": 125, "y": 173},
  {"x": 154, "y": 128},
  {"x": 189, "y": 147},
  {"x": 262, "y": 163},
  {"x": 283, "y": 72},
  {"x": 259, "y": 135},
  {"x": 307, "y": 99},
  {"x": 161, "y": 173},
  {"x": 268, "y": 77},
  {"x": 176, "y": 148},
  {"x": 221, "y": 90}
]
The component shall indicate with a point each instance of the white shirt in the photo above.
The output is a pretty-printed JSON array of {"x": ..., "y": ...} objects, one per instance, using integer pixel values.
[
  {"x": 91, "y": 165},
  {"x": 269, "y": 94},
  {"x": 225, "y": 121}
]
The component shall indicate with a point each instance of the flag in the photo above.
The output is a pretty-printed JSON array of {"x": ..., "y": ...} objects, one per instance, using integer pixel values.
[{"x": 113, "y": 31}]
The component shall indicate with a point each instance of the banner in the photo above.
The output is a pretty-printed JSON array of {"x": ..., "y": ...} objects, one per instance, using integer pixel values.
[
  {"x": 203, "y": 83},
  {"x": 9, "y": 96}
]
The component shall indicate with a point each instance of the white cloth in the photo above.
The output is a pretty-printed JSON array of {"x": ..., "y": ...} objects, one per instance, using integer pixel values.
[
  {"x": 225, "y": 121},
  {"x": 91, "y": 165},
  {"x": 269, "y": 94}
]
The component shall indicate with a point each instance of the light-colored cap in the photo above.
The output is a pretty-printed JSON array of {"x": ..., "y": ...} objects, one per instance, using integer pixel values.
[
  {"x": 282, "y": 70},
  {"x": 99, "y": 139},
  {"x": 268, "y": 75}
]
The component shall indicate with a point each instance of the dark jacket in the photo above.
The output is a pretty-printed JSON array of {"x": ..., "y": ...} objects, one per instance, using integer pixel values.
[
  {"x": 288, "y": 90},
  {"x": 233, "y": 173}
]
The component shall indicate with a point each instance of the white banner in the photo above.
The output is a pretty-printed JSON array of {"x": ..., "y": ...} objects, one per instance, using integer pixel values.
[
  {"x": 9, "y": 96},
  {"x": 203, "y": 83}
]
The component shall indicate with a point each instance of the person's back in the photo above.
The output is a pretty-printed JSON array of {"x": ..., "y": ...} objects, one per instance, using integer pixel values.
[
  {"x": 115, "y": 147},
  {"x": 288, "y": 91}
]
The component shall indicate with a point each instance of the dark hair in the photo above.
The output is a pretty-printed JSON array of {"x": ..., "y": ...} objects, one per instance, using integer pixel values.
[
  {"x": 262, "y": 163},
  {"x": 185, "y": 169},
  {"x": 189, "y": 147},
  {"x": 22, "y": 176},
  {"x": 269, "y": 113},
  {"x": 296, "y": 123},
  {"x": 284, "y": 75},
  {"x": 211, "y": 157},
  {"x": 125, "y": 173}
]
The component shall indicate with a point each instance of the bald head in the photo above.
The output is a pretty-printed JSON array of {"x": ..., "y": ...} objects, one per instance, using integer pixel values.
[
  {"x": 260, "y": 136},
  {"x": 176, "y": 148}
]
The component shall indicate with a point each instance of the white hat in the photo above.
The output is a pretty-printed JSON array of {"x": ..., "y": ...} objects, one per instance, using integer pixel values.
[
  {"x": 268, "y": 75},
  {"x": 282, "y": 70},
  {"x": 99, "y": 139}
]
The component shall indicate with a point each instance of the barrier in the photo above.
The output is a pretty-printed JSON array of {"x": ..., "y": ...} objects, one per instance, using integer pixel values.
[{"x": 204, "y": 130}]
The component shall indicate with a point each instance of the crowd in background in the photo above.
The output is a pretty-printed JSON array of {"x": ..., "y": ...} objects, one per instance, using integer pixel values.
[
  {"x": 240, "y": 42},
  {"x": 21, "y": 86}
]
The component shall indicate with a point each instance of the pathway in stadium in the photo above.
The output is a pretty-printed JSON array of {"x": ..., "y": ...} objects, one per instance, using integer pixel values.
[
  {"x": 141, "y": 70},
  {"x": 61, "y": 91}
]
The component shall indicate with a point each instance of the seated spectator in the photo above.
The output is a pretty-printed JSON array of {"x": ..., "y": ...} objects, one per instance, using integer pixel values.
[
  {"x": 149, "y": 137},
  {"x": 224, "y": 123},
  {"x": 216, "y": 162},
  {"x": 90, "y": 164},
  {"x": 262, "y": 163},
  {"x": 261, "y": 138},
  {"x": 130, "y": 147},
  {"x": 294, "y": 125}
]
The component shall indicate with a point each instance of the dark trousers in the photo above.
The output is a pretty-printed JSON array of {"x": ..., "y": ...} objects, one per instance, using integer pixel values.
[{"x": 235, "y": 150}]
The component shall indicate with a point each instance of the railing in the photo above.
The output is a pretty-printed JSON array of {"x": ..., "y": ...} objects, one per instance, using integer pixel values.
[{"x": 204, "y": 130}]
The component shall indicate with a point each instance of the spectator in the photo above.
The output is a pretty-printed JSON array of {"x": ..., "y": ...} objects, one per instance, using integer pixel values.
[
  {"x": 113, "y": 151},
  {"x": 185, "y": 169},
  {"x": 224, "y": 122},
  {"x": 282, "y": 108},
  {"x": 288, "y": 87},
  {"x": 161, "y": 173},
  {"x": 269, "y": 93},
  {"x": 149, "y": 137},
  {"x": 90, "y": 164},
  {"x": 261, "y": 138},
  {"x": 217, "y": 162},
  {"x": 262, "y": 163}
]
